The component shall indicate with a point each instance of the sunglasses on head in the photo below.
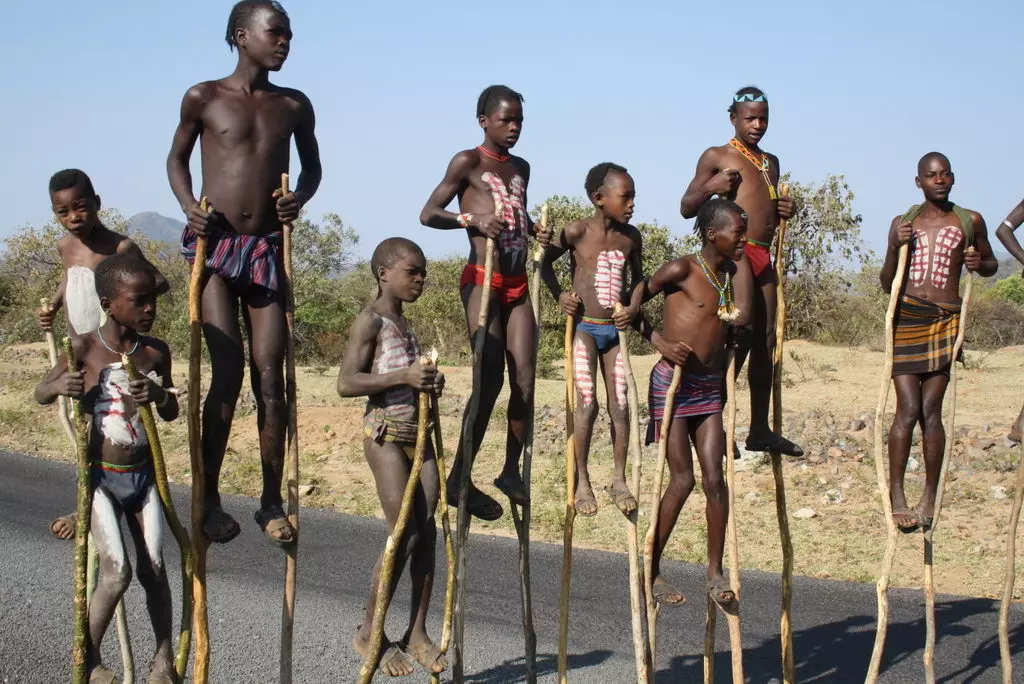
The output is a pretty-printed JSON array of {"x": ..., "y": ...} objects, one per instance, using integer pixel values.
[{"x": 749, "y": 97}]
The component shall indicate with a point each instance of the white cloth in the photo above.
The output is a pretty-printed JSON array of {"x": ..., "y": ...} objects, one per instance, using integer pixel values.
[{"x": 81, "y": 301}]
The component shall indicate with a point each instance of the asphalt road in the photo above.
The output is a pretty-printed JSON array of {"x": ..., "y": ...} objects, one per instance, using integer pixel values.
[{"x": 833, "y": 621}]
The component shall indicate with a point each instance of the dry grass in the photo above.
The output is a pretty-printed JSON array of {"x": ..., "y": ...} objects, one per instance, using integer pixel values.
[{"x": 827, "y": 388}]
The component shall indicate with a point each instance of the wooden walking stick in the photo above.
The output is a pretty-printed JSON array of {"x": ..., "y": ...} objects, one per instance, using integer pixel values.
[
  {"x": 781, "y": 510},
  {"x": 62, "y": 401},
  {"x": 882, "y": 586},
  {"x": 929, "y": 531},
  {"x": 1005, "y": 657},
  {"x": 652, "y": 527},
  {"x": 641, "y": 649},
  {"x": 522, "y": 521},
  {"x": 446, "y": 527},
  {"x": 570, "y": 505},
  {"x": 387, "y": 566},
  {"x": 200, "y": 623},
  {"x": 80, "y": 624},
  {"x": 468, "y": 456},
  {"x": 292, "y": 459},
  {"x": 180, "y": 535}
]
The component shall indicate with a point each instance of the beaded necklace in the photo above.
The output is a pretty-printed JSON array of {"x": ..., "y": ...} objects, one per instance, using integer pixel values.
[
  {"x": 759, "y": 164},
  {"x": 727, "y": 310}
]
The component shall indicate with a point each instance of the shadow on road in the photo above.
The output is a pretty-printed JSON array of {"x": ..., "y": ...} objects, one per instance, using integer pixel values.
[
  {"x": 839, "y": 652},
  {"x": 514, "y": 671}
]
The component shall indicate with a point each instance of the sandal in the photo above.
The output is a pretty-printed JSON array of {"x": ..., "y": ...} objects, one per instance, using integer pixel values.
[
  {"x": 64, "y": 526},
  {"x": 275, "y": 525},
  {"x": 906, "y": 520},
  {"x": 512, "y": 487},
  {"x": 218, "y": 526},
  {"x": 101, "y": 675},
  {"x": 586, "y": 504},
  {"x": 623, "y": 498},
  {"x": 428, "y": 654},
  {"x": 481, "y": 505},
  {"x": 665, "y": 594},
  {"x": 720, "y": 591},
  {"x": 776, "y": 444}
]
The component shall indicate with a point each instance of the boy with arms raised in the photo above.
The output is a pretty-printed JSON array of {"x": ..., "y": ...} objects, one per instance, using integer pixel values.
[
  {"x": 122, "y": 469},
  {"x": 245, "y": 124},
  {"x": 382, "y": 363},
  {"x": 943, "y": 239},
  {"x": 88, "y": 242},
  {"x": 705, "y": 294},
  {"x": 742, "y": 172},
  {"x": 600, "y": 249},
  {"x": 484, "y": 178}
]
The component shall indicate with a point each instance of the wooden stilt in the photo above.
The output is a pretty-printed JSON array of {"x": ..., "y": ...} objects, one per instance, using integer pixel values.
[
  {"x": 570, "y": 505},
  {"x": 200, "y": 623},
  {"x": 80, "y": 624},
  {"x": 732, "y": 617},
  {"x": 387, "y": 565},
  {"x": 180, "y": 535},
  {"x": 446, "y": 529},
  {"x": 1005, "y": 657},
  {"x": 641, "y": 649},
  {"x": 291, "y": 458}
]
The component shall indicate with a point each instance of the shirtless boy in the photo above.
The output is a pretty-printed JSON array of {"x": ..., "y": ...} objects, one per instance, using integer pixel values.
[
  {"x": 1006, "y": 234},
  {"x": 943, "y": 239},
  {"x": 245, "y": 125},
  {"x": 88, "y": 242},
  {"x": 705, "y": 294},
  {"x": 741, "y": 171},
  {"x": 600, "y": 249},
  {"x": 122, "y": 469},
  {"x": 382, "y": 363},
  {"x": 481, "y": 178}
]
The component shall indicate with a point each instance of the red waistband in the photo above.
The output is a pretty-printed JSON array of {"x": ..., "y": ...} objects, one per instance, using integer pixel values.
[{"x": 510, "y": 288}]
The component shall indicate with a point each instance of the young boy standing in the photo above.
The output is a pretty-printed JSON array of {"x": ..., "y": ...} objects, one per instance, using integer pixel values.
[
  {"x": 742, "y": 172},
  {"x": 245, "y": 124},
  {"x": 705, "y": 294},
  {"x": 381, "y": 363},
  {"x": 88, "y": 242},
  {"x": 943, "y": 239},
  {"x": 603, "y": 249},
  {"x": 485, "y": 178},
  {"x": 122, "y": 467}
]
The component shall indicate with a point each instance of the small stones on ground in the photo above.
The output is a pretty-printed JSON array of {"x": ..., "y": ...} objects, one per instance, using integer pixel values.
[
  {"x": 913, "y": 465},
  {"x": 805, "y": 514},
  {"x": 752, "y": 496},
  {"x": 835, "y": 453},
  {"x": 832, "y": 496},
  {"x": 998, "y": 492},
  {"x": 306, "y": 489},
  {"x": 856, "y": 425}
]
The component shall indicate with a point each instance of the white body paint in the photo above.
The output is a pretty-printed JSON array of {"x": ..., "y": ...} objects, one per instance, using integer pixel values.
[
  {"x": 153, "y": 527},
  {"x": 81, "y": 301},
  {"x": 933, "y": 262},
  {"x": 115, "y": 415},
  {"x": 608, "y": 277},
  {"x": 513, "y": 238},
  {"x": 106, "y": 530},
  {"x": 581, "y": 371}
]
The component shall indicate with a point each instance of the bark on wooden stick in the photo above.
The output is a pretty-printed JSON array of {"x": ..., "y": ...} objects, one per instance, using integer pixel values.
[
  {"x": 387, "y": 566},
  {"x": 641, "y": 649},
  {"x": 468, "y": 455},
  {"x": 1005, "y": 656},
  {"x": 180, "y": 535},
  {"x": 929, "y": 575},
  {"x": 446, "y": 529},
  {"x": 781, "y": 510},
  {"x": 62, "y": 401},
  {"x": 652, "y": 527},
  {"x": 882, "y": 586},
  {"x": 80, "y": 624},
  {"x": 200, "y": 623},
  {"x": 709, "y": 641},
  {"x": 570, "y": 505},
  {"x": 733, "y": 616},
  {"x": 291, "y": 458}
]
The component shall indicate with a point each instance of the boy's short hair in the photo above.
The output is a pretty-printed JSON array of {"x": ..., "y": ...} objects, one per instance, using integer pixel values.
[
  {"x": 70, "y": 178},
  {"x": 747, "y": 94},
  {"x": 712, "y": 213},
  {"x": 115, "y": 269},
  {"x": 494, "y": 95},
  {"x": 390, "y": 251},
  {"x": 596, "y": 176},
  {"x": 241, "y": 15}
]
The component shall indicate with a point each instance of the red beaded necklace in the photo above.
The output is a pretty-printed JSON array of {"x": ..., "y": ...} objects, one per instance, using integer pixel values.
[{"x": 500, "y": 158}]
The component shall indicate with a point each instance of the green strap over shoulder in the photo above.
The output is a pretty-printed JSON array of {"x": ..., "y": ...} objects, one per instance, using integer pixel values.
[{"x": 966, "y": 221}]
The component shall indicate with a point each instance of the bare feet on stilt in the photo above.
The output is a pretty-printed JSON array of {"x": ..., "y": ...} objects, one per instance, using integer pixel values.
[
  {"x": 64, "y": 526},
  {"x": 665, "y": 594},
  {"x": 622, "y": 497},
  {"x": 393, "y": 662},
  {"x": 585, "y": 501}
]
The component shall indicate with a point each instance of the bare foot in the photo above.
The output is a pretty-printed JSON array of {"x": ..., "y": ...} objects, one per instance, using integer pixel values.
[
  {"x": 511, "y": 485},
  {"x": 426, "y": 653},
  {"x": 585, "y": 501},
  {"x": 393, "y": 662},
  {"x": 925, "y": 512},
  {"x": 480, "y": 504},
  {"x": 622, "y": 497},
  {"x": 63, "y": 527},
  {"x": 906, "y": 520},
  {"x": 721, "y": 593},
  {"x": 161, "y": 671},
  {"x": 771, "y": 442}
]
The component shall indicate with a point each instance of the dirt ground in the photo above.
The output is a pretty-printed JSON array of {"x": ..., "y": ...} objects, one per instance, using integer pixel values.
[{"x": 829, "y": 397}]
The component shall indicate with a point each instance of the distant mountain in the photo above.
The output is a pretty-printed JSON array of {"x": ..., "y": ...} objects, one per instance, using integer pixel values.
[{"x": 157, "y": 227}]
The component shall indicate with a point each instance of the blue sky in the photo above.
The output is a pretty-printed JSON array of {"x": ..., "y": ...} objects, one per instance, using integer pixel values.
[{"x": 862, "y": 89}]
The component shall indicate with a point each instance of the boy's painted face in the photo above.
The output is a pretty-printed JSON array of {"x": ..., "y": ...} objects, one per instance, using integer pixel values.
[
  {"x": 405, "y": 279},
  {"x": 617, "y": 196},
  {"x": 504, "y": 124},
  {"x": 936, "y": 179},
  {"x": 76, "y": 210},
  {"x": 267, "y": 39},
  {"x": 134, "y": 304},
  {"x": 730, "y": 236},
  {"x": 750, "y": 121}
]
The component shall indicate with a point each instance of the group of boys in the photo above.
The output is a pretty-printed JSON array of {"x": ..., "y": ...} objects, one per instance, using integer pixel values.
[{"x": 724, "y": 295}]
